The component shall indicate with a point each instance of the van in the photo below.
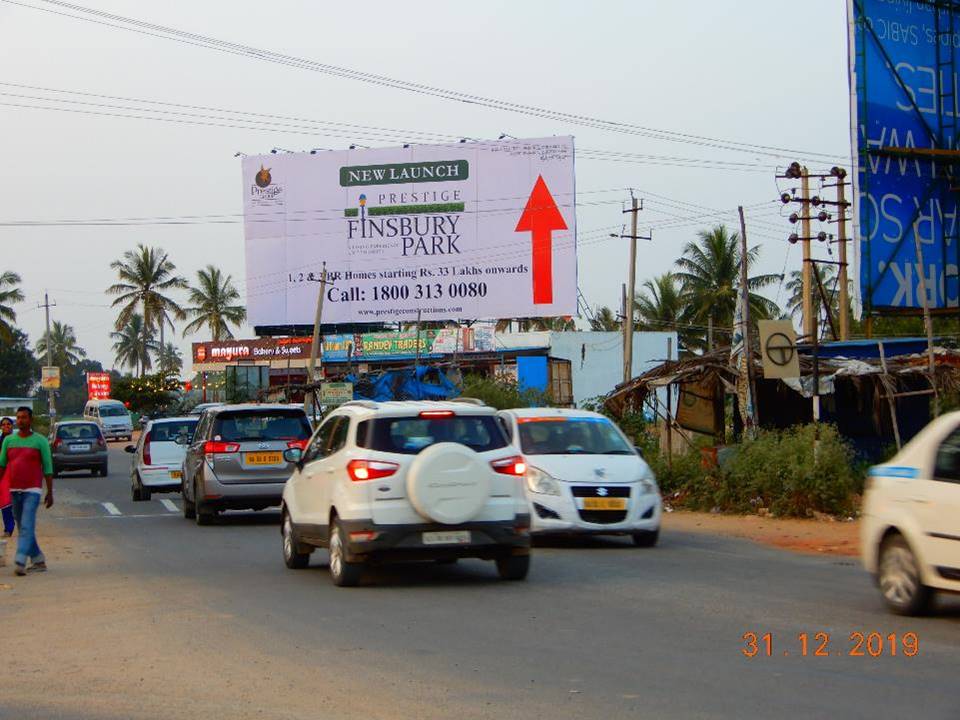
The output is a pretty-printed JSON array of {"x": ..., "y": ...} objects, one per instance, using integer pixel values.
[{"x": 112, "y": 417}]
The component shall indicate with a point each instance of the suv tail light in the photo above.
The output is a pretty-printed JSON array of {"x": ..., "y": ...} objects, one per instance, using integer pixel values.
[
  {"x": 101, "y": 443},
  {"x": 360, "y": 470},
  {"x": 215, "y": 447},
  {"x": 302, "y": 444},
  {"x": 147, "y": 460},
  {"x": 510, "y": 466},
  {"x": 57, "y": 443}
]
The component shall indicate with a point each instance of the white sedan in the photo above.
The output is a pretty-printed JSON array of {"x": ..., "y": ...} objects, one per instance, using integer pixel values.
[
  {"x": 158, "y": 457},
  {"x": 910, "y": 529},
  {"x": 583, "y": 475}
]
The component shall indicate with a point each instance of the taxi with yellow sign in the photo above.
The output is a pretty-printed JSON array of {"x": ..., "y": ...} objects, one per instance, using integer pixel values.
[{"x": 583, "y": 475}]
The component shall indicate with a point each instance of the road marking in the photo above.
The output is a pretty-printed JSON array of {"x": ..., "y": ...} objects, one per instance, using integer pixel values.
[
  {"x": 111, "y": 508},
  {"x": 169, "y": 505}
]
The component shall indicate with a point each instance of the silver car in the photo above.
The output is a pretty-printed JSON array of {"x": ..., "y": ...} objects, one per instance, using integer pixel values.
[
  {"x": 78, "y": 445},
  {"x": 235, "y": 458}
]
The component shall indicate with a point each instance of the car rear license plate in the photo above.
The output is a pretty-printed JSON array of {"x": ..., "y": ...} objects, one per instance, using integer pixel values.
[
  {"x": 452, "y": 537},
  {"x": 604, "y": 503},
  {"x": 263, "y": 458},
  {"x": 176, "y": 474},
  {"x": 85, "y": 447}
]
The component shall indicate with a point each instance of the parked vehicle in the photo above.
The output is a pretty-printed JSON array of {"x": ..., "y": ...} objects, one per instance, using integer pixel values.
[
  {"x": 910, "y": 524},
  {"x": 235, "y": 459},
  {"x": 197, "y": 410},
  {"x": 157, "y": 464},
  {"x": 397, "y": 481},
  {"x": 78, "y": 445},
  {"x": 583, "y": 475},
  {"x": 112, "y": 416}
]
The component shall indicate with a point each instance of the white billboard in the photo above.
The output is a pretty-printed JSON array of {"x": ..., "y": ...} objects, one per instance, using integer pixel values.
[{"x": 462, "y": 231}]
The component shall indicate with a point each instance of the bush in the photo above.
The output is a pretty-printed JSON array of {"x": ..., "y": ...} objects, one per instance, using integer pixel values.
[{"x": 502, "y": 393}]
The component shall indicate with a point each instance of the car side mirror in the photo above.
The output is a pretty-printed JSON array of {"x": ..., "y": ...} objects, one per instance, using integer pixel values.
[
  {"x": 130, "y": 448},
  {"x": 293, "y": 455},
  {"x": 182, "y": 440},
  {"x": 639, "y": 450}
]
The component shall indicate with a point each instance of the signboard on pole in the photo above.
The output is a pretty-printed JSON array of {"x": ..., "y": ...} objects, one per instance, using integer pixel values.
[
  {"x": 904, "y": 59},
  {"x": 98, "y": 385},
  {"x": 50, "y": 377},
  {"x": 778, "y": 349},
  {"x": 468, "y": 230},
  {"x": 335, "y": 393}
]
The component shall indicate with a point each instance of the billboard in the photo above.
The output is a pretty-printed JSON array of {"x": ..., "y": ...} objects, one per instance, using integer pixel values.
[
  {"x": 461, "y": 231},
  {"x": 98, "y": 385},
  {"x": 903, "y": 61},
  {"x": 50, "y": 377}
]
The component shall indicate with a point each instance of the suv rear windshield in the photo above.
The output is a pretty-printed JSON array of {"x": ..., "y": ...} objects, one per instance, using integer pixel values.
[
  {"x": 113, "y": 411},
  {"x": 87, "y": 431},
  {"x": 169, "y": 431},
  {"x": 250, "y": 425},
  {"x": 410, "y": 435},
  {"x": 571, "y": 436}
]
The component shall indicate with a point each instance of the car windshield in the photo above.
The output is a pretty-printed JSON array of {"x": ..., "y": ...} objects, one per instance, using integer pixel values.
[
  {"x": 87, "y": 431},
  {"x": 571, "y": 436},
  {"x": 250, "y": 425},
  {"x": 410, "y": 435},
  {"x": 112, "y": 411},
  {"x": 170, "y": 431}
]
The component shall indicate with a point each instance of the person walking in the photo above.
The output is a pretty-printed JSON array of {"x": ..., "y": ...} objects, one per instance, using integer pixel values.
[
  {"x": 6, "y": 504},
  {"x": 26, "y": 462}
]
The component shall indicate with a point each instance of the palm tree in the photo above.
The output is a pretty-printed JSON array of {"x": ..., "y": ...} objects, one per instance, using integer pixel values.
[
  {"x": 169, "y": 359},
  {"x": 64, "y": 350},
  {"x": 10, "y": 294},
  {"x": 145, "y": 275},
  {"x": 133, "y": 345},
  {"x": 661, "y": 305},
  {"x": 605, "y": 320},
  {"x": 709, "y": 272},
  {"x": 215, "y": 304}
]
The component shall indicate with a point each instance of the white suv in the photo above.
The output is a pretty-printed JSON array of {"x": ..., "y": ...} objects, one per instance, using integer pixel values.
[{"x": 398, "y": 481}]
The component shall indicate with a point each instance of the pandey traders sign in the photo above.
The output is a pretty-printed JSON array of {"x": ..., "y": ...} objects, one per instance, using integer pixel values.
[{"x": 471, "y": 230}]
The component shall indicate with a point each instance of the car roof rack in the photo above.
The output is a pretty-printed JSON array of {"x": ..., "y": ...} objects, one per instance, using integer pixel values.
[
  {"x": 369, "y": 404},
  {"x": 468, "y": 400}
]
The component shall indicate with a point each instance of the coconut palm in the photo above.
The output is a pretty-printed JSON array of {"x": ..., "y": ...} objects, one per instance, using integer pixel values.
[
  {"x": 215, "y": 303},
  {"x": 145, "y": 275},
  {"x": 64, "y": 350},
  {"x": 709, "y": 273},
  {"x": 169, "y": 359},
  {"x": 10, "y": 294},
  {"x": 605, "y": 320},
  {"x": 660, "y": 305},
  {"x": 133, "y": 344}
]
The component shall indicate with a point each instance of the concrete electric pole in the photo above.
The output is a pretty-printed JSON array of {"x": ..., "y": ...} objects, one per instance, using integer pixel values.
[{"x": 51, "y": 392}]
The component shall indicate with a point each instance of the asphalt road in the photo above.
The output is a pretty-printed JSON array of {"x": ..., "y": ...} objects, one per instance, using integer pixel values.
[{"x": 599, "y": 630}]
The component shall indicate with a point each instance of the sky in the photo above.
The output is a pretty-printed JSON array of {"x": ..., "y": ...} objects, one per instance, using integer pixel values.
[{"x": 751, "y": 72}]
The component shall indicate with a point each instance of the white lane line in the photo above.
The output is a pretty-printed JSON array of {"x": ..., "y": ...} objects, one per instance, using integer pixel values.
[
  {"x": 111, "y": 508},
  {"x": 170, "y": 505}
]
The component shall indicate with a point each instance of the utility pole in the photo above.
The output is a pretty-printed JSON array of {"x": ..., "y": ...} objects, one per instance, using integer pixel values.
[
  {"x": 50, "y": 393},
  {"x": 928, "y": 324},
  {"x": 842, "y": 205},
  {"x": 315, "y": 346},
  {"x": 807, "y": 270},
  {"x": 745, "y": 299},
  {"x": 635, "y": 208}
]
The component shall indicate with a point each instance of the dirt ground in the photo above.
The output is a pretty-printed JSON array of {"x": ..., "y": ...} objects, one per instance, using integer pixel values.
[{"x": 832, "y": 537}]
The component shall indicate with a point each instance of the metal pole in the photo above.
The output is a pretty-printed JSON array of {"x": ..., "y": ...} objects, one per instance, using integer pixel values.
[
  {"x": 623, "y": 318},
  {"x": 745, "y": 294},
  {"x": 631, "y": 292},
  {"x": 808, "y": 316},
  {"x": 315, "y": 346},
  {"x": 844, "y": 282},
  {"x": 51, "y": 399},
  {"x": 669, "y": 408},
  {"x": 928, "y": 324},
  {"x": 416, "y": 361}
]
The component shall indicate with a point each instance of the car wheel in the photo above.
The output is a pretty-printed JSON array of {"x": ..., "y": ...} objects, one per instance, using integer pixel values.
[
  {"x": 646, "y": 538},
  {"x": 189, "y": 508},
  {"x": 104, "y": 470},
  {"x": 899, "y": 578},
  {"x": 202, "y": 515},
  {"x": 513, "y": 567},
  {"x": 343, "y": 573},
  {"x": 293, "y": 559}
]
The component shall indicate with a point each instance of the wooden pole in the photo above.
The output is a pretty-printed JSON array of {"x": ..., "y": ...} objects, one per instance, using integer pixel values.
[
  {"x": 842, "y": 239},
  {"x": 315, "y": 345},
  {"x": 745, "y": 299},
  {"x": 631, "y": 293},
  {"x": 669, "y": 408},
  {"x": 927, "y": 323},
  {"x": 807, "y": 282}
]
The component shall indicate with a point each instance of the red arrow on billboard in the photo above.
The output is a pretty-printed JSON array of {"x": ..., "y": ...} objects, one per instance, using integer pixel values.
[{"x": 541, "y": 217}]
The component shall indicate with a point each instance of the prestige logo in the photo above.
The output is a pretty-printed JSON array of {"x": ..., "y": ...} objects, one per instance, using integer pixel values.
[{"x": 263, "y": 191}]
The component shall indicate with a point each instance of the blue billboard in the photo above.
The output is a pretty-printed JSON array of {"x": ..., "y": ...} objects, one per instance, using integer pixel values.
[{"x": 904, "y": 108}]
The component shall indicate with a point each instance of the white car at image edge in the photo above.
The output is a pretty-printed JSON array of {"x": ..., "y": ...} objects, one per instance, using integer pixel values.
[{"x": 583, "y": 475}]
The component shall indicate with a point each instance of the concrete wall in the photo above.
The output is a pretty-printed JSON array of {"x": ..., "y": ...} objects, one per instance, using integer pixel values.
[{"x": 596, "y": 358}]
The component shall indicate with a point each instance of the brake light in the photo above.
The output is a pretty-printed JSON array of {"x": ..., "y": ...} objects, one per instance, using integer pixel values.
[
  {"x": 510, "y": 466},
  {"x": 302, "y": 444},
  {"x": 437, "y": 413},
  {"x": 57, "y": 443},
  {"x": 360, "y": 470},
  {"x": 147, "y": 460},
  {"x": 215, "y": 447},
  {"x": 101, "y": 443}
]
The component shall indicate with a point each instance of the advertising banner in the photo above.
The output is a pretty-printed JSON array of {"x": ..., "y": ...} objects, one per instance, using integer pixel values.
[
  {"x": 904, "y": 107},
  {"x": 98, "y": 385},
  {"x": 335, "y": 393},
  {"x": 50, "y": 377},
  {"x": 464, "y": 231}
]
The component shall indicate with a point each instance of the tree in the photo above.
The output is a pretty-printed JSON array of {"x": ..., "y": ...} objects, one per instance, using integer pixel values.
[
  {"x": 133, "y": 345},
  {"x": 145, "y": 275},
  {"x": 10, "y": 294},
  {"x": 605, "y": 320},
  {"x": 72, "y": 395},
  {"x": 709, "y": 273},
  {"x": 661, "y": 305},
  {"x": 169, "y": 360},
  {"x": 19, "y": 369},
  {"x": 64, "y": 350},
  {"x": 215, "y": 304}
]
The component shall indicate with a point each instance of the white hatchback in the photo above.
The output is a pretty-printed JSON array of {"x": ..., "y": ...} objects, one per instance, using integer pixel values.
[
  {"x": 398, "y": 481},
  {"x": 157, "y": 464},
  {"x": 583, "y": 475},
  {"x": 910, "y": 525}
]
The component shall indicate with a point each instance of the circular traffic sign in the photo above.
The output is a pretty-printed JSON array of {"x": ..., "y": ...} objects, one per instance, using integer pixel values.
[{"x": 780, "y": 349}]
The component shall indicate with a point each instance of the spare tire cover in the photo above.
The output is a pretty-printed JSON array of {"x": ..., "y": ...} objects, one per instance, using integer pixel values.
[{"x": 448, "y": 483}]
